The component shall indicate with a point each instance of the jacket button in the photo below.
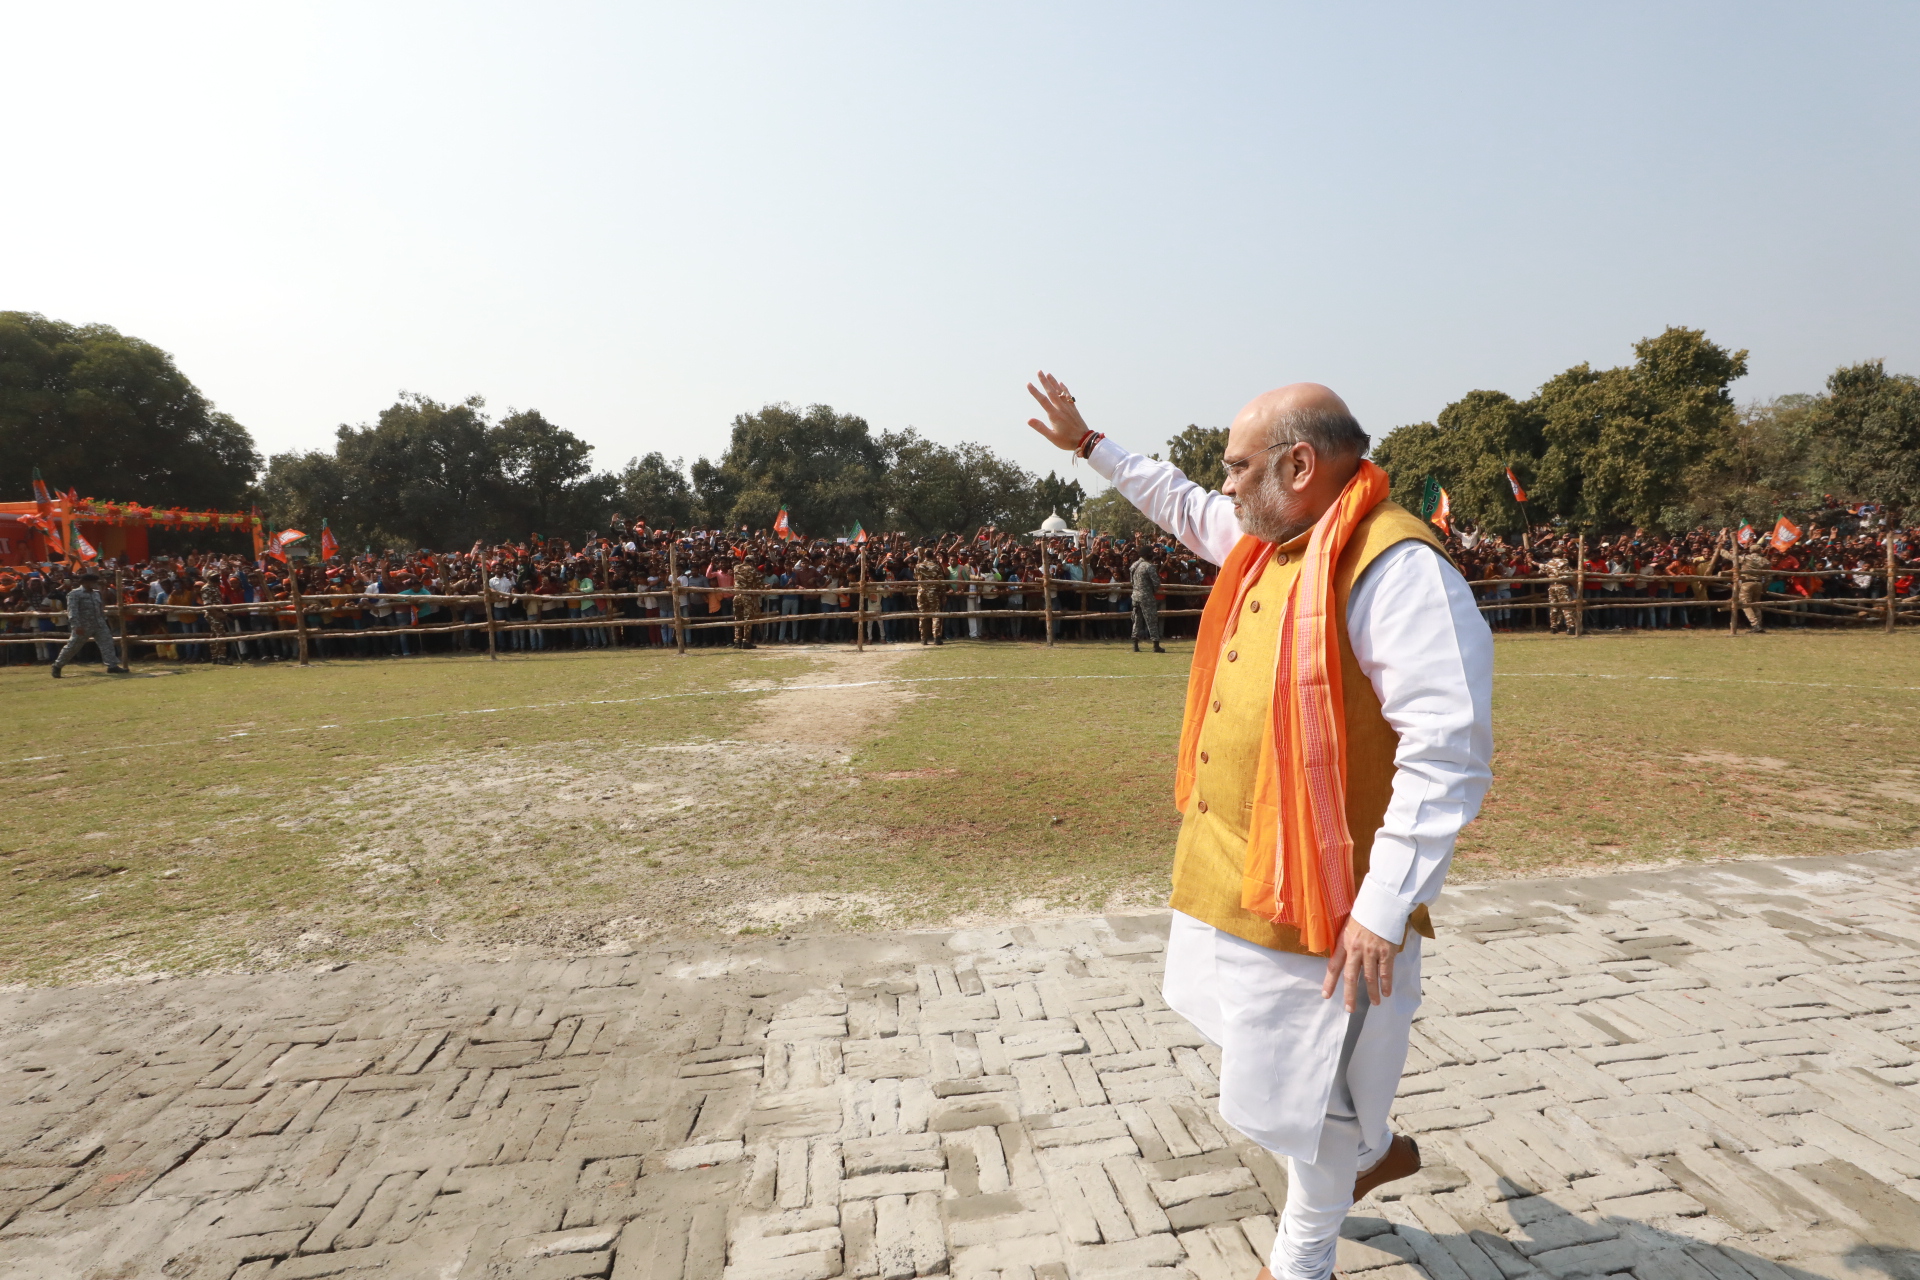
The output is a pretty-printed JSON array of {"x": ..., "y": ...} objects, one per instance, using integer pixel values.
[
  {"x": 1281, "y": 558},
  {"x": 1253, "y": 606},
  {"x": 1216, "y": 704},
  {"x": 1203, "y": 806},
  {"x": 1203, "y": 757},
  {"x": 1233, "y": 655}
]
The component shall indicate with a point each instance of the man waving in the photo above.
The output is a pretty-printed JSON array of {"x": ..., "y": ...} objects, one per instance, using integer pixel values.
[{"x": 1338, "y": 734}]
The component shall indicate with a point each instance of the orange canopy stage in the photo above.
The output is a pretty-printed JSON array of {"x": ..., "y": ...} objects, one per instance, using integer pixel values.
[{"x": 115, "y": 530}]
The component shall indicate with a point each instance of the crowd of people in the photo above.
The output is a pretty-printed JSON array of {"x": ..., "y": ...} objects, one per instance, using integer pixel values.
[
  {"x": 1640, "y": 581},
  {"x": 613, "y": 589},
  {"x": 610, "y": 590}
]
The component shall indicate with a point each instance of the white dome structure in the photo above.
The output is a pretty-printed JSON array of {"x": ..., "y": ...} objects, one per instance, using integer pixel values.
[{"x": 1054, "y": 527}]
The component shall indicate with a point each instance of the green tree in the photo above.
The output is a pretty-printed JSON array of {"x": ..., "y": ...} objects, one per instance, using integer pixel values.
[
  {"x": 1624, "y": 445},
  {"x": 113, "y": 417},
  {"x": 656, "y": 491},
  {"x": 547, "y": 477},
  {"x": 302, "y": 489},
  {"x": 934, "y": 489},
  {"x": 1200, "y": 453},
  {"x": 425, "y": 474},
  {"x": 1869, "y": 426},
  {"x": 1769, "y": 462},
  {"x": 826, "y": 468},
  {"x": 1109, "y": 513},
  {"x": 1054, "y": 494},
  {"x": 438, "y": 475},
  {"x": 1630, "y": 445},
  {"x": 1468, "y": 450}
]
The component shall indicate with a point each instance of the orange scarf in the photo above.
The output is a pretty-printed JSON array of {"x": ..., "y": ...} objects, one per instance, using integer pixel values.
[{"x": 1299, "y": 868}]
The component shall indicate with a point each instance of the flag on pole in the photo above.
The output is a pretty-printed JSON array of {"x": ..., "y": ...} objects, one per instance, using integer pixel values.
[
  {"x": 858, "y": 535},
  {"x": 782, "y": 528},
  {"x": 1745, "y": 535},
  {"x": 85, "y": 548},
  {"x": 286, "y": 536},
  {"x": 1785, "y": 534},
  {"x": 1519, "y": 494},
  {"x": 328, "y": 547},
  {"x": 40, "y": 493},
  {"x": 48, "y": 530},
  {"x": 1443, "y": 514}
]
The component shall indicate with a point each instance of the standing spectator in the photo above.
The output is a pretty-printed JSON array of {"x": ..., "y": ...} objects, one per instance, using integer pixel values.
[
  {"x": 1145, "y": 576},
  {"x": 87, "y": 615},
  {"x": 927, "y": 574}
]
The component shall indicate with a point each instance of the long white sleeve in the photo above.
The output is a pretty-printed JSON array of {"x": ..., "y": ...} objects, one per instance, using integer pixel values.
[
  {"x": 1200, "y": 518},
  {"x": 1429, "y": 655}
]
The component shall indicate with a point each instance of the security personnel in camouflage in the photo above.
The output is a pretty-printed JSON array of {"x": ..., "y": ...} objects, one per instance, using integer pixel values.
[
  {"x": 87, "y": 614},
  {"x": 210, "y": 597},
  {"x": 1754, "y": 571},
  {"x": 747, "y": 579},
  {"x": 1145, "y": 577},
  {"x": 1559, "y": 595},
  {"x": 931, "y": 585}
]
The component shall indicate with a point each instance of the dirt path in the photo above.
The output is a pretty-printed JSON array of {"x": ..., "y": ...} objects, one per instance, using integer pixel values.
[{"x": 835, "y": 707}]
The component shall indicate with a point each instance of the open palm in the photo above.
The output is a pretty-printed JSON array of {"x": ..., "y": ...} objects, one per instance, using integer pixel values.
[{"x": 1064, "y": 425}]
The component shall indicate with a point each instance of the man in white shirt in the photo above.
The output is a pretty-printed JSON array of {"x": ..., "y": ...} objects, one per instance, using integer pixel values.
[
  {"x": 503, "y": 586},
  {"x": 1411, "y": 660}
]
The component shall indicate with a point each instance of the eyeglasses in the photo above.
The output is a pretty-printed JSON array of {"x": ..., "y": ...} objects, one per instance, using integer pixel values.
[{"x": 1235, "y": 469}]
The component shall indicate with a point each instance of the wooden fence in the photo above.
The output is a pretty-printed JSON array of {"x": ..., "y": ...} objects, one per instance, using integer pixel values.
[{"x": 303, "y": 618}]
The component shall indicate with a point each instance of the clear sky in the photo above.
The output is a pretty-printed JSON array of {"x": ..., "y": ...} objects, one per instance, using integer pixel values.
[{"x": 643, "y": 220}]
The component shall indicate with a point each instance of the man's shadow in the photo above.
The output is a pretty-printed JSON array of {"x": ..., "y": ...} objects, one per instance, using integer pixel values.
[{"x": 1528, "y": 1235}]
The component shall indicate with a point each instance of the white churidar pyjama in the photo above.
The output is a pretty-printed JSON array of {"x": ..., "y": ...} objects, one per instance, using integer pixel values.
[{"x": 1298, "y": 1074}]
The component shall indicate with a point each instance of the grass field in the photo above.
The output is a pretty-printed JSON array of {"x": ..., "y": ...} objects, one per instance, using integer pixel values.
[{"x": 256, "y": 816}]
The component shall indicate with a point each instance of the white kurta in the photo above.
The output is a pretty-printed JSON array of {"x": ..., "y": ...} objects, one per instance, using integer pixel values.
[{"x": 1423, "y": 645}]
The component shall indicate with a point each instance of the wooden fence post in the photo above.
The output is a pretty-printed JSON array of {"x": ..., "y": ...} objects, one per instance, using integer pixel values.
[
  {"x": 673, "y": 597},
  {"x": 1733, "y": 601},
  {"x": 860, "y": 606},
  {"x": 493, "y": 628},
  {"x": 299, "y": 611},
  {"x": 1890, "y": 605},
  {"x": 1046, "y": 592},
  {"x": 1580, "y": 590},
  {"x": 126, "y": 651}
]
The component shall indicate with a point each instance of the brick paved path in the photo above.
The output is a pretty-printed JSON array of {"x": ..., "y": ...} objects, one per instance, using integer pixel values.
[{"x": 1705, "y": 1074}]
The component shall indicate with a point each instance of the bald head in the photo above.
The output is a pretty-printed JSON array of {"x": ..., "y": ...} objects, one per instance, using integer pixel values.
[
  {"x": 1289, "y": 454},
  {"x": 1305, "y": 412}
]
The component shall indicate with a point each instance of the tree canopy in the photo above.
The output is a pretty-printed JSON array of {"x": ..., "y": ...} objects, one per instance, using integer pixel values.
[
  {"x": 433, "y": 474},
  {"x": 830, "y": 471},
  {"x": 1868, "y": 429},
  {"x": 112, "y": 417},
  {"x": 656, "y": 491},
  {"x": 1644, "y": 444},
  {"x": 826, "y": 468},
  {"x": 1200, "y": 453}
]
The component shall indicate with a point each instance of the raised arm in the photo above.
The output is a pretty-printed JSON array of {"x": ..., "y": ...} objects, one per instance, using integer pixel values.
[{"x": 1203, "y": 520}]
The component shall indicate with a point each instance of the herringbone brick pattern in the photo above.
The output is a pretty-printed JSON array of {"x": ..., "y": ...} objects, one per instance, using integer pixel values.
[{"x": 1703, "y": 1074}]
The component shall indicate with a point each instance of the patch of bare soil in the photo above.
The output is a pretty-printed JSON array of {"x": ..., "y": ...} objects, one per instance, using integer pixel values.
[
  {"x": 594, "y": 843},
  {"x": 838, "y": 704}
]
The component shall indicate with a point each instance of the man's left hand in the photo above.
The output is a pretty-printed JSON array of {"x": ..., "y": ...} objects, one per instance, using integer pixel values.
[{"x": 1361, "y": 954}]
